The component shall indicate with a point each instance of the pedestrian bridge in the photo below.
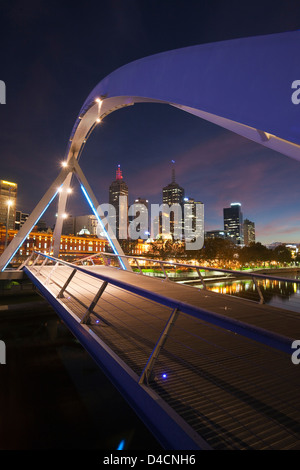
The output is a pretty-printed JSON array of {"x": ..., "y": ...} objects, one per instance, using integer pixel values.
[{"x": 202, "y": 370}]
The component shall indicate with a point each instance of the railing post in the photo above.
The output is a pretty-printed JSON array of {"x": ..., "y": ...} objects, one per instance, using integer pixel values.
[
  {"x": 261, "y": 297},
  {"x": 138, "y": 265},
  {"x": 61, "y": 292},
  {"x": 25, "y": 262},
  {"x": 50, "y": 274},
  {"x": 36, "y": 259},
  {"x": 43, "y": 264},
  {"x": 146, "y": 374},
  {"x": 86, "y": 318},
  {"x": 164, "y": 271},
  {"x": 200, "y": 277}
]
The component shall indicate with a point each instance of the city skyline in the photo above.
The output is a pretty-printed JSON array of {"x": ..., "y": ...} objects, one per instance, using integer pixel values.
[
  {"x": 133, "y": 199},
  {"x": 215, "y": 165}
]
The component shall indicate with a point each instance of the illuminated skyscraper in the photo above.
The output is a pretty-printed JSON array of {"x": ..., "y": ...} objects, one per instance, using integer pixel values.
[
  {"x": 249, "y": 232},
  {"x": 193, "y": 218},
  {"x": 233, "y": 223},
  {"x": 8, "y": 200},
  {"x": 141, "y": 211},
  {"x": 118, "y": 198},
  {"x": 173, "y": 194},
  {"x": 20, "y": 219}
]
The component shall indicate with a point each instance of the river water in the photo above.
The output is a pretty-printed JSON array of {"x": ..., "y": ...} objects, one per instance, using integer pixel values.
[{"x": 277, "y": 293}]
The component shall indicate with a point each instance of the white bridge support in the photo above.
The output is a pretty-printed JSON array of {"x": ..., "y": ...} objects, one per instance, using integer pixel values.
[{"x": 62, "y": 180}]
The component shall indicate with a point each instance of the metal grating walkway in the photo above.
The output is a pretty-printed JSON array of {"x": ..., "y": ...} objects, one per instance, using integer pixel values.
[{"x": 233, "y": 392}]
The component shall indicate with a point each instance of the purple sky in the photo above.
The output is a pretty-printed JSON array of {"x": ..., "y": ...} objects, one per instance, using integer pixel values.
[{"x": 53, "y": 55}]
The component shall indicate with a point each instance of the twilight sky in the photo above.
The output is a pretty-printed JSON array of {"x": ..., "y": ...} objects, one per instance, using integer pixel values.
[{"x": 54, "y": 53}]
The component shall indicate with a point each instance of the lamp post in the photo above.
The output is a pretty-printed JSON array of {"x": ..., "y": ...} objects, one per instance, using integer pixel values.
[{"x": 9, "y": 204}]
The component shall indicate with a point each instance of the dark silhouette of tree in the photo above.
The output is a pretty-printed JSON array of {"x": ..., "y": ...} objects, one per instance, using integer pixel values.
[
  {"x": 218, "y": 249},
  {"x": 282, "y": 254},
  {"x": 164, "y": 249}
]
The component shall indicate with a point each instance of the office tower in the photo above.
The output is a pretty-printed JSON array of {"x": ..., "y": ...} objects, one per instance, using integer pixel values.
[
  {"x": 118, "y": 198},
  {"x": 233, "y": 222},
  {"x": 249, "y": 232},
  {"x": 8, "y": 199},
  {"x": 74, "y": 225},
  {"x": 140, "y": 209},
  {"x": 216, "y": 234},
  {"x": 173, "y": 194},
  {"x": 20, "y": 219},
  {"x": 193, "y": 218}
]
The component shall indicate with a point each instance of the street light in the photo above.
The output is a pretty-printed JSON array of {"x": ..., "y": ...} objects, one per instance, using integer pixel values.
[{"x": 9, "y": 204}]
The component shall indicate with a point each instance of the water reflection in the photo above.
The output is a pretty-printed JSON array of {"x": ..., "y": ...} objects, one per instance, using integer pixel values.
[{"x": 277, "y": 293}]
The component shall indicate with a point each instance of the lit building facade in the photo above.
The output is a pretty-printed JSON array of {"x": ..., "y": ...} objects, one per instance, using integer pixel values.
[
  {"x": 118, "y": 198},
  {"x": 70, "y": 246},
  {"x": 212, "y": 234},
  {"x": 20, "y": 219},
  {"x": 193, "y": 220},
  {"x": 81, "y": 223},
  {"x": 173, "y": 194},
  {"x": 140, "y": 209},
  {"x": 249, "y": 232},
  {"x": 8, "y": 200},
  {"x": 233, "y": 223}
]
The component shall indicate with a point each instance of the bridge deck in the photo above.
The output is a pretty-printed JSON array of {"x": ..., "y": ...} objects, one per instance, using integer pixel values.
[{"x": 232, "y": 391}]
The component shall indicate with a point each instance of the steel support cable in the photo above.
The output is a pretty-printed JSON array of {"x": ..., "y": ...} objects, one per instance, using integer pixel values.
[
  {"x": 122, "y": 323},
  {"x": 140, "y": 308},
  {"x": 130, "y": 334},
  {"x": 76, "y": 282},
  {"x": 132, "y": 316}
]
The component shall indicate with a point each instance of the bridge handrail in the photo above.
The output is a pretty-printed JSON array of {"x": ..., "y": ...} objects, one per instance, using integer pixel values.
[
  {"x": 195, "y": 266},
  {"x": 271, "y": 339}
]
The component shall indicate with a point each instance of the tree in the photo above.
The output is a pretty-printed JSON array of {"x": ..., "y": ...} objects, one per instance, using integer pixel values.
[
  {"x": 164, "y": 249},
  {"x": 282, "y": 254},
  {"x": 217, "y": 249}
]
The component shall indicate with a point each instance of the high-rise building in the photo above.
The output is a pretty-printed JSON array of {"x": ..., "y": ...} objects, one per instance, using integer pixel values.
[
  {"x": 20, "y": 219},
  {"x": 173, "y": 194},
  {"x": 193, "y": 217},
  {"x": 8, "y": 199},
  {"x": 118, "y": 198},
  {"x": 216, "y": 234},
  {"x": 75, "y": 225},
  {"x": 249, "y": 232},
  {"x": 140, "y": 209},
  {"x": 233, "y": 222}
]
